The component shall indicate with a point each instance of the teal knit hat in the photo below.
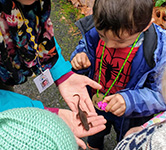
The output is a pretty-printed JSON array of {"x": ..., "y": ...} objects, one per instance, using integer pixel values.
[{"x": 34, "y": 128}]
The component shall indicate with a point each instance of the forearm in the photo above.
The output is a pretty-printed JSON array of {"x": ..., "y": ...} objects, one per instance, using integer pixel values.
[
  {"x": 61, "y": 67},
  {"x": 10, "y": 100},
  {"x": 143, "y": 102}
]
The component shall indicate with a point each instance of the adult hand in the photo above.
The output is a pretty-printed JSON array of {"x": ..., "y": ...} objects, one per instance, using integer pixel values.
[
  {"x": 80, "y": 61},
  {"x": 96, "y": 124},
  {"x": 76, "y": 84},
  {"x": 116, "y": 104}
]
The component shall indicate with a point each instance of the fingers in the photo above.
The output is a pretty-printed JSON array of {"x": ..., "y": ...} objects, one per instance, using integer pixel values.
[
  {"x": 88, "y": 104},
  {"x": 96, "y": 120},
  {"x": 86, "y": 62},
  {"x": 96, "y": 123},
  {"x": 93, "y": 130},
  {"x": 116, "y": 105},
  {"x": 75, "y": 64},
  {"x": 80, "y": 61},
  {"x": 108, "y": 98},
  {"x": 133, "y": 130},
  {"x": 92, "y": 83}
]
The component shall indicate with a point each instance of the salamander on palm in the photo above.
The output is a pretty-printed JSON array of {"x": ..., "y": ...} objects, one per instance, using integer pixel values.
[{"x": 82, "y": 115}]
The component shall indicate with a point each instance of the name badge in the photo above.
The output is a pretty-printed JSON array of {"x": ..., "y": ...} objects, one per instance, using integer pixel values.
[{"x": 43, "y": 81}]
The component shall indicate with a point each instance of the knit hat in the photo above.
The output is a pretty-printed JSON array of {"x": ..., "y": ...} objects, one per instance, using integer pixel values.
[
  {"x": 34, "y": 128},
  {"x": 151, "y": 138}
]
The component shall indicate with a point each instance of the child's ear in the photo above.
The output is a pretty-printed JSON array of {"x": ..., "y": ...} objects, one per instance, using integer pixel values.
[{"x": 150, "y": 23}]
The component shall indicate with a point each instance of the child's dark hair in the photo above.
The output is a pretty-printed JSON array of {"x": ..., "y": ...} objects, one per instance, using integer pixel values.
[{"x": 122, "y": 15}]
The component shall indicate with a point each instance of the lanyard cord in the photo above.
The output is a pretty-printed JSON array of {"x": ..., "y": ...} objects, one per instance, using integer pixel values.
[
  {"x": 100, "y": 68},
  {"x": 119, "y": 70},
  {"x": 32, "y": 39}
]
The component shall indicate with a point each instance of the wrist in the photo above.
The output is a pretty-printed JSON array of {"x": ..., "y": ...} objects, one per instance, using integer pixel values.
[
  {"x": 63, "y": 78},
  {"x": 53, "y": 110}
]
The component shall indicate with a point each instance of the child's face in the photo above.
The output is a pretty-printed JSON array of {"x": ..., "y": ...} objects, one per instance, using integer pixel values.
[
  {"x": 26, "y": 2},
  {"x": 113, "y": 41}
]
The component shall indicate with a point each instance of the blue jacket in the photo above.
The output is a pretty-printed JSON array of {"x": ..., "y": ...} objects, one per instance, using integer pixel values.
[{"x": 143, "y": 91}]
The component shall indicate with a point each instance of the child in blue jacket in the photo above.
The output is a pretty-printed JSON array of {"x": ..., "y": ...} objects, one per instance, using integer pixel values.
[{"x": 125, "y": 53}]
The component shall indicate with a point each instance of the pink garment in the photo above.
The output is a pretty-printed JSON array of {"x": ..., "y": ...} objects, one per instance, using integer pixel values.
[
  {"x": 63, "y": 78},
  {"x": 53, "y": 110},
  {"x": 159, "y": 118}
]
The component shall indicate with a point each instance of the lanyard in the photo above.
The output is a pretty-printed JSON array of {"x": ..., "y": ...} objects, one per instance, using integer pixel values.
[
  {"x": 32, "y": 39},
  {"x": 119, "y": 70}
]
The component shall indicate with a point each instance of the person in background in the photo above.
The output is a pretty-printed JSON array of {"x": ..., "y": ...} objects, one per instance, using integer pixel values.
[
  {"x": 34, "y": 128},
  {"x": 10, "y": 100},
  {"x": 28, "y": 46},
  {"x": 124, "y": 51},
  {"x": 151, "y": 135}
]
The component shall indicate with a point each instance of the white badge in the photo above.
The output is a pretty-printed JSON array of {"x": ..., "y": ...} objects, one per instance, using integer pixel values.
[{"x": 44, "y": 80}]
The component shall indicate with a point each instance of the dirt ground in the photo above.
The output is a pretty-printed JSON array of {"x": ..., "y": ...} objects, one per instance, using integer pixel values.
[{"x": 68, "y": 38}]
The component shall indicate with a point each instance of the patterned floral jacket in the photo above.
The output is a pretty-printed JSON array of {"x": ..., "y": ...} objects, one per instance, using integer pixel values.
[{"x": 27, "y": 41}]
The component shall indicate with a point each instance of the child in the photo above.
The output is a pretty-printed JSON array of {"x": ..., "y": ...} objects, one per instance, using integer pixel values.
[
  {"x": 124, "y": 52},
  {"x": 151, "y": 135},
  {"x": 28, "y": 46},
  {"x": 34, "y": 128}
]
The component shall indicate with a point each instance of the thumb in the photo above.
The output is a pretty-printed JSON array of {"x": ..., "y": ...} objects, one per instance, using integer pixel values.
[
  {"x": 86, "y": 63},
  {"x": 80, "y": 143},
  {"x": 92, "y": 83},
  {"x": 72, "y": 106},
  {"x": 108, "y": 98}
]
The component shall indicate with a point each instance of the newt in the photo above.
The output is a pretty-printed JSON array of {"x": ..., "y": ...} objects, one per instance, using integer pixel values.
[{"x": 82, "y": 115}]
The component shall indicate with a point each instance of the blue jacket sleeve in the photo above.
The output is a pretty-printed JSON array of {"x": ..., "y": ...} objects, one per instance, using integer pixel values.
[
  {"x": 143, "y": 102},
  {"x": 87, "y": 45},
  {"x": 81, "y": 47},
  {"x": 9, "y": 100},
  {"x": 146, "y": 98},
  {"x": 61, "y": 67}
]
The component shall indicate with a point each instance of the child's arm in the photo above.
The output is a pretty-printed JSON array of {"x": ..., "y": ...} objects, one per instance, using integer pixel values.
[
  {"x": 87, "y": 45},
  {"x": 10, "y": 100},
  {"x": 143, "y": 102},
  {"x": 80, "y": 49},
  {"x": 137, "y": 102}
]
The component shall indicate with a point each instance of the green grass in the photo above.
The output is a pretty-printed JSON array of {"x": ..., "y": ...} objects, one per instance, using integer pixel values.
[{"x": 68, "y": 13}]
